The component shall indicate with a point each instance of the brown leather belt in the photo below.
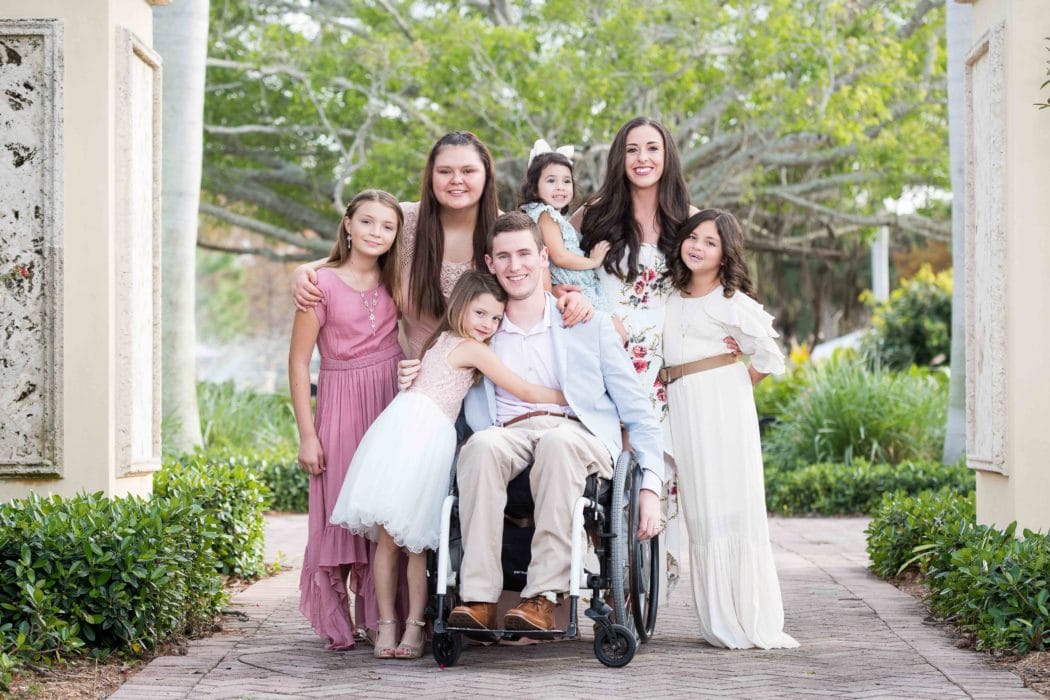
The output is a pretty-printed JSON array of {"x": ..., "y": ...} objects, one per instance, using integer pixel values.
[
  {"x": 533, "y": 414},
  {"x": 669, "y": 375}
]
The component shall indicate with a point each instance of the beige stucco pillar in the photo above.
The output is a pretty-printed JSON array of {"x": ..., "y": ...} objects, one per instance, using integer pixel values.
[
  {"x": 79, "y": 264},
  {"x": 1008, "y": 262}
]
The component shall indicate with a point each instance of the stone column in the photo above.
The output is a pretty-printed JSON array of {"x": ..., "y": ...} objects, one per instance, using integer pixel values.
[
  {"x": 1008, "y": 263},
  {"x": 79, "y": 260}
]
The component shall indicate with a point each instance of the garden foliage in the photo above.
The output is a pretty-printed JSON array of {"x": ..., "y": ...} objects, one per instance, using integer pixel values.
[
  {"x": 987, "y": 581},
  {"x": 846, "y": 411},
  {"x": 913, "y": 327},
  {"x": 846, "y": 489}
]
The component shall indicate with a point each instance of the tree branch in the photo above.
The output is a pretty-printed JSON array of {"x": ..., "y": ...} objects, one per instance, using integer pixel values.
[
  {"x": 268, "y": 253},
  {"x": 262, "y": 228}
]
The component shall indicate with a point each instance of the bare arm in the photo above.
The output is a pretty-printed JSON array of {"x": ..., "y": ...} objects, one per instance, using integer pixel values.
[
  {"x": 304, "y": 335},
  {"x": 304, "y": 290},
  {"x": 756, "y": 376},
  {"x": 471, "y": 353},
  {"x": 560, "y": 255}
]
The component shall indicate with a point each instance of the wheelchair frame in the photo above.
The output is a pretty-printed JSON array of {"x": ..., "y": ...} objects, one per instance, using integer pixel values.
[{"x": 608, "y": 513}]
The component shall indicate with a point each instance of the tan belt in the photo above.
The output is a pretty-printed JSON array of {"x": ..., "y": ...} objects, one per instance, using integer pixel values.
[
  {"x": 669, "y": 375},
  {"x": 533, "y": 414}
]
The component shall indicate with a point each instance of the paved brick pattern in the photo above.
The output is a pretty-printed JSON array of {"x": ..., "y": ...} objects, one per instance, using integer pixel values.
[{"x": 861, "y": 638}]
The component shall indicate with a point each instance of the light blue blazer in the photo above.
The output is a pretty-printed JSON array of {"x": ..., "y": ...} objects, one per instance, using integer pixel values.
[{"x": 601, "y": 387}]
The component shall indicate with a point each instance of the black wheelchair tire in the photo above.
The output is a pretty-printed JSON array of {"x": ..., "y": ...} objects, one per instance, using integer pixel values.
[
  {"x": 614, "y": 645},
  {"x": 447, "y": 647},
  {"x": 645, "y": 570}
]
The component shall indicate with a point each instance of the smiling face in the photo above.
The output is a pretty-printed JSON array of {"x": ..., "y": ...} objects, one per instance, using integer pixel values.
[
  {"x": 555, "y": 186},
  {"x": 644, "y": 156},
  {"x": 372, "y": 228},
  {"x": 702, "y": 251},
  {"x": 517, "y": 263},
  {"x": 482, "y": 317},
  {"x": 459, "y": 177}
]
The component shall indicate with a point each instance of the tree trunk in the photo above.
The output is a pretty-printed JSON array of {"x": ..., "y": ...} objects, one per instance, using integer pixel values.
[
  {"x": 957, "y": 25},
  {"x": 180, "y": 36}
]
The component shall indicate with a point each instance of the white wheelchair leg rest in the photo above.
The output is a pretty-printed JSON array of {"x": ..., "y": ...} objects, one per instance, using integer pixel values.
[
  {"x": 443, "y": 556},
  {"x": 576, "y": 566}
]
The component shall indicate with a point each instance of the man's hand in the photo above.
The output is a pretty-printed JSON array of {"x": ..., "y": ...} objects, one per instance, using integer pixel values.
[
  {"x": 650, "y": 521},
  {"x": 574, "y": 308},
  {"x": 406, "y": 373},
  {"x": 305, "y": 293}
]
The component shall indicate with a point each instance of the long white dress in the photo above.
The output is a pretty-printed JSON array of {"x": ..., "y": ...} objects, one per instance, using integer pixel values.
[{"x": 714, "y": 429}]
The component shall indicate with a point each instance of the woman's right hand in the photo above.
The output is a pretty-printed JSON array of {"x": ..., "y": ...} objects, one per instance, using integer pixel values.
[
  {"x": 311, "y": 456},
  {"x": 305, "y": 293}
]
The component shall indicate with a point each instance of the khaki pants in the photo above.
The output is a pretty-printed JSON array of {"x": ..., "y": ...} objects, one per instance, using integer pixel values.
[{"x": 563, "y": 453}]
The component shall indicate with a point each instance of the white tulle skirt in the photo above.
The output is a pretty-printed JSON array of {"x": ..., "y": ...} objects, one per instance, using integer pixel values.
[{"x": 399, "y": 475}]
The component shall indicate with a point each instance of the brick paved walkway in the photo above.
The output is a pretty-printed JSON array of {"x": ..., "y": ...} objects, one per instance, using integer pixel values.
[{"x": 861, "y": 638}]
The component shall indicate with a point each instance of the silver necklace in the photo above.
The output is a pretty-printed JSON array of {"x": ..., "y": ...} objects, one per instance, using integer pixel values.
[{"x": 371, "y": 308}]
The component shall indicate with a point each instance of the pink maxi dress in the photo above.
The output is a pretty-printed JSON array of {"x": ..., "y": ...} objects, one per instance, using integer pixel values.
[{"x": 358, "y": 378}]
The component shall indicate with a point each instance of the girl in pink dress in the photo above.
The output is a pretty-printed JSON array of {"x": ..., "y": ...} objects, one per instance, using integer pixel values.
[
  {"x": 400, "y": 474},
  {"x": 355, "y": 329}
]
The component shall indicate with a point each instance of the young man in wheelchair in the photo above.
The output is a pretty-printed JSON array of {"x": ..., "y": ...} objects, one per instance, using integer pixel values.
[{"x": 564, "y": 444}]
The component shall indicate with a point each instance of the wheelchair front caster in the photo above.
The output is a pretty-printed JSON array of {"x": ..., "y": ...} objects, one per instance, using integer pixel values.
[
  {"x": 614, "y": 645},
  {"x": 447, "y": 648}
]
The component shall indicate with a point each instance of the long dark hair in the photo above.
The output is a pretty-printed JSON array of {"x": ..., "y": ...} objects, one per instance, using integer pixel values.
[
  {"x": 530, "y": 186},
  {"x": 609, "y": 213},
  {"x": 425, "y": 282},
  {"x": 389, "y": 269},
  {"x": 470, "y": 286},
  {"x": 733, "y": 274}
]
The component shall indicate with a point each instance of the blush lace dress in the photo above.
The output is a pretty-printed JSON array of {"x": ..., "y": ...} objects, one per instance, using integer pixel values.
[{"x": 402, "y": 469}]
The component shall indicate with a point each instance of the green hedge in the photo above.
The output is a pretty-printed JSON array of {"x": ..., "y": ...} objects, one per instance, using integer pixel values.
[
  {"x": 844, "y": 489},
  {"x": 987, "y": 581},
  {"x": 276, "y": 468},
  {"x": 913, "y": 327},
  {"x": 100, "y": 574},
  {"x": 233, "y": 495}
]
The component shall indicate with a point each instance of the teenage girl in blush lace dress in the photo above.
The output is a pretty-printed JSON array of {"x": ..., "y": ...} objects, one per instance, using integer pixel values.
[
  {"x": 400, "y": 474},
  {"x": 355, "y": 329}
]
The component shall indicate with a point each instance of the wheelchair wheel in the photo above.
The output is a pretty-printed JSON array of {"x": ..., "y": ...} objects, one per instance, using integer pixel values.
[
  {"x": 447, "y": 648},
  {"x": 614, "y": 645},
  {"x": 634, "y": 575}
]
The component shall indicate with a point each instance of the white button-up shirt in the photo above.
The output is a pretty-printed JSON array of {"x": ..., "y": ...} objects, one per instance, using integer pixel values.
[{"x": 530, "y": 355}]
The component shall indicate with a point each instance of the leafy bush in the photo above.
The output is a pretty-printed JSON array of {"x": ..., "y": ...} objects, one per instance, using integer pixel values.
[
  {"x": 914, "y": 326},
  {"x": 233, "y": 495},
  {"x": 902, "y": 522},
  {"x": 996, "y": 586},
  {"x": 985, "y": 580},
  {"x": 109, "y": 574},
  {"x": 277, "y": 469},
  {"x": 775, "y": 394},
  {"x": 843, "y": 489},
  {"x": 849, "y": 412},
  {"x": 243, "y": 419}
]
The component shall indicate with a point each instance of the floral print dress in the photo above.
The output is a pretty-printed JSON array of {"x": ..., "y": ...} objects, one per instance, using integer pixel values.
[{"x": 641, "y": 304}]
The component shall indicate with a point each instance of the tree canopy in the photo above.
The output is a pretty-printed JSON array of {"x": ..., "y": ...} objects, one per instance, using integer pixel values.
[{"x": 800, "y": 116}]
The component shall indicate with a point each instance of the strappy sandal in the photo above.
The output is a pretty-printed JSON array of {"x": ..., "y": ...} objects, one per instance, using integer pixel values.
[
  {"x": 380, "y": 651},
  {"x": 412, "y": 651}
]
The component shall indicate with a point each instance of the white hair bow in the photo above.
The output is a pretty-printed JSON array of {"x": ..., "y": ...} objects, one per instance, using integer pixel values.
[{"x": 542, "y": 146}]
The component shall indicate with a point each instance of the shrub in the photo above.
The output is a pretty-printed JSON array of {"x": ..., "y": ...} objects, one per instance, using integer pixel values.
[
  {"x": 843, "y": 489},
  {"x": 109, "y": 574},
  {"x": 914, "y": 326},
  {"x": 848, "y": 411},
  {"x": 995, "y": 586},
  {"x": 243, "y": 419},
  {"x": 775, "y": 394},
  {"x": 230, "y": 493},
  {"x": 903, "y": 522},
  {"x": 277, "y": 469}
]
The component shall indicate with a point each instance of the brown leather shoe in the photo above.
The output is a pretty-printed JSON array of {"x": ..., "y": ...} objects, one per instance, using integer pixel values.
[
  {"x": 477, "y": 616},
  {"x": 536, "y": 613}
]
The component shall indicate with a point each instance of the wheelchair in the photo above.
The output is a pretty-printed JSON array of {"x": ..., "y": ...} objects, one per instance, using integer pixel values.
[{"x": 624, "y": 589}]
